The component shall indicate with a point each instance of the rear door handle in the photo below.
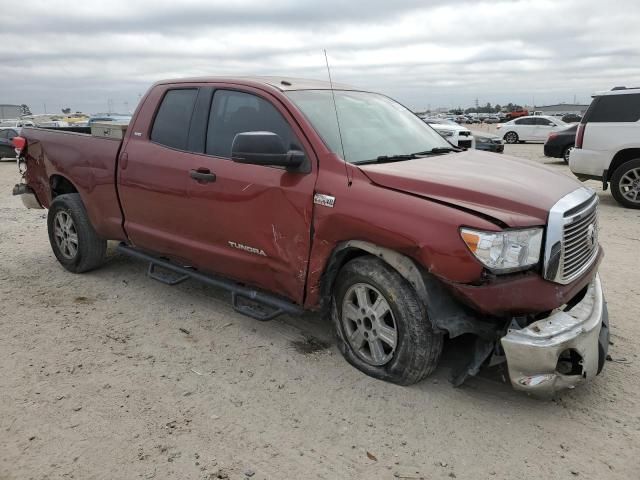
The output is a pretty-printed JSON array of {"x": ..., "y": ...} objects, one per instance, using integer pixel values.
[{"x": 203, "y": 175}]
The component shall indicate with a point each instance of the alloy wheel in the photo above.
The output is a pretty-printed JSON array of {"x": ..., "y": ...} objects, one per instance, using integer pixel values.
[
  {"x": 567, "y": 153},
  {"x": 65, "y": 234},
  {"x": 369, "y": 324},
  {"x": 511, "y": 137},
  {"x": 630, "y": 185}
]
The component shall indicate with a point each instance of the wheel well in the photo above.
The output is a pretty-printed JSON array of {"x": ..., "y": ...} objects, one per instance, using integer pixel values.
[
  {"x": 339, "y": 258},
  {"x": 347, "y": 251},
  {"x": 61, "y": 185},
  {"x": 621, "y": 157}
]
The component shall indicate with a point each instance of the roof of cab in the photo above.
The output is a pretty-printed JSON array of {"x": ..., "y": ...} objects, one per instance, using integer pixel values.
[{"x": 280, "y": 83}]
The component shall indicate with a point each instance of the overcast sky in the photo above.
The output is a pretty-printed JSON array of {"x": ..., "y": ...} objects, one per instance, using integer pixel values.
[{"x": 424, "y": 53}]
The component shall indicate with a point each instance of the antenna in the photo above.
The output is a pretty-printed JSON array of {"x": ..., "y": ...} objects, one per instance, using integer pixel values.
[{"x": 335, "y": 108}]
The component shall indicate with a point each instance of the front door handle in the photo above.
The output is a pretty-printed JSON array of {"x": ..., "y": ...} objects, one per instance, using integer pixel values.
[{"x": 203, "y": 175}]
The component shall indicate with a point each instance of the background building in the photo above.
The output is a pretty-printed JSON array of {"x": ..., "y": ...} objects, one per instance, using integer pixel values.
[
  {"x": 562, "y": 108},
  {"x": 10, "y": 111}
]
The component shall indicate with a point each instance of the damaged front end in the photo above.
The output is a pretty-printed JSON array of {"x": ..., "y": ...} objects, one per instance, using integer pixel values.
[
  {"x": 562, "y": 350},
  {"x": 544, "y": 353}
]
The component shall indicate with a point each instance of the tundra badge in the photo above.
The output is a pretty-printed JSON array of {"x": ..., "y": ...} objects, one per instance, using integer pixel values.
[
  {"x": 247, "y": 248},
  {"x": 324, "y": 200}
]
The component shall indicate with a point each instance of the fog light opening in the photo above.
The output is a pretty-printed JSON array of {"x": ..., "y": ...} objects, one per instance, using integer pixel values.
[{"x": 570, "y": 363}]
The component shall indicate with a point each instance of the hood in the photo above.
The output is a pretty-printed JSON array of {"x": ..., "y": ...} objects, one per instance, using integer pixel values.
[{"x": 516, "y": 192}]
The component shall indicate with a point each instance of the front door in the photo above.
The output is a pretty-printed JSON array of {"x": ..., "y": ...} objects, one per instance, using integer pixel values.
[
  {"x": 248, "y": 222},
  {"x": 543, "y": 128}
]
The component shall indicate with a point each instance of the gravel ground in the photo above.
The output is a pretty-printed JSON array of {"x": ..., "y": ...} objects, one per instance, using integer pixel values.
[{"x": 112, "y": 375}]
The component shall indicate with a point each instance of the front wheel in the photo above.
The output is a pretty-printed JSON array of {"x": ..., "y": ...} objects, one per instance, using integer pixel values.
[
  {"x": 625, "y": 184},
  {"x": 511, "y": 137},
  {"x": 381, "y": 325},
  {"x": 73, "y": 239}
]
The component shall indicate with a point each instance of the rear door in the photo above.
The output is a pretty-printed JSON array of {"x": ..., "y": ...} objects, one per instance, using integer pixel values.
[
  {"x": 526, "y": 128},
  {"x": 184, "y": 197},
  {"x": 154, "y": 174}
]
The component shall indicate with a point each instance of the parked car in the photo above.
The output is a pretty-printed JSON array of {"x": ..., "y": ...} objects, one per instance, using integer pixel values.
[
  {"x": 488, "y": 142},
  {"x": 516, "y": 114},
  {"x": 7, "y": 150},
  {"x": 492, "y": 119},
  {"x": 571, "y": 118},
  {"x": 530, "y": 129},
  {"x": 559, "y": 144},
  {"x": 608, "y": 144},
  {"x": 384, "y": 227},
  {"x": 455, "y": 134},
  {"x": 13, "y": 123}
]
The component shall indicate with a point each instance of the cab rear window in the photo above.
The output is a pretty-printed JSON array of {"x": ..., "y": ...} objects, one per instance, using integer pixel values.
[{"x": 614, "y": 108}]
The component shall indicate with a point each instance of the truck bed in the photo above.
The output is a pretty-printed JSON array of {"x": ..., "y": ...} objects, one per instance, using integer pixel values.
[{"x": 90, "y": 161}]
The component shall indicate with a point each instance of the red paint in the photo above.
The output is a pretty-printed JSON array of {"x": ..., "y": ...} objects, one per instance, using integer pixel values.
[{"x": 412, "y": 207}]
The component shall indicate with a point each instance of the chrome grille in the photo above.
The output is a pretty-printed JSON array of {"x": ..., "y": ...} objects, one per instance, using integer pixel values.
[
  {"x": 579, "y": 239},
  {"x": 571, "y": 244}
]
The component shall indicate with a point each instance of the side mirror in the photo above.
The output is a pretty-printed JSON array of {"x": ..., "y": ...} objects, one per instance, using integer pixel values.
[{"x": 264, "y": 148}]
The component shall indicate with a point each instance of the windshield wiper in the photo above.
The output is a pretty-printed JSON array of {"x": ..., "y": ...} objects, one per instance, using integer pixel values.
[
  {"x": 409, "y": 156},
  {"x": 438, "y": 150},
  {"x": 390, "y": 158}
]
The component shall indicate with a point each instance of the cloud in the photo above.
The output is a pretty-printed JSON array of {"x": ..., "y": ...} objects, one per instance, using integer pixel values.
[{"x": 81, "y": 54}]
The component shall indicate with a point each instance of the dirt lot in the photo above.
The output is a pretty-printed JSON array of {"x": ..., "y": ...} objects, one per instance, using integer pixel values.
[{"x": 112, "y": 375}]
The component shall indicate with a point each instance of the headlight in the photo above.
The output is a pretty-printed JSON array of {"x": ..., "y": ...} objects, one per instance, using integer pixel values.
[
  {"x": 507, "y": 251},
  {"x": 446, "y": 133}
]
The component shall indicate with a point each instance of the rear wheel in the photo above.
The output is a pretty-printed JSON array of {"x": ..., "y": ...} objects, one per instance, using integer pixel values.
[
  {"x": 73, "y": 239},
  {"x": 511, "y": 137},
  {"x": 566, "y": 153},
  {"x": 625, "y": 184},
  {"x": 381, "y": 325}
]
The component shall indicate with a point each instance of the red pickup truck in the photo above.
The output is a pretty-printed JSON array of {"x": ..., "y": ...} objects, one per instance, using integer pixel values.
[{"x": 294, "y": 195}]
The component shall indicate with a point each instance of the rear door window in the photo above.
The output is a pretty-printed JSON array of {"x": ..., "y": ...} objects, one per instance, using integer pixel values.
[
  {"x": 542, "y": 121},
  {"x": 526, "y": 121},
  {"x": 173, "y": 120},
  {"x": 614, "y": 108},
  {"x": 234, "y": 112}
]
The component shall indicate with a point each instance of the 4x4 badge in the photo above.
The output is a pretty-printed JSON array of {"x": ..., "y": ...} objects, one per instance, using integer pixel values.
[{"x": 324, "y": 200}]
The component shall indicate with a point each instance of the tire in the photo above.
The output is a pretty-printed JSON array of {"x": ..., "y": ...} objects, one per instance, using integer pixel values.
[
  {"x": 566, "y": 152},
  {"x": 511, "y": 137},
  {"x": 625, "y": 184},
  {"x": 73, "y": 240},
  {"x": 417, "y": 347}
]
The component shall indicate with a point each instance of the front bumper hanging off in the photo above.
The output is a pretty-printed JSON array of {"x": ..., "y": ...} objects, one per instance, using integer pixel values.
[{"x": 579, "y": 335}]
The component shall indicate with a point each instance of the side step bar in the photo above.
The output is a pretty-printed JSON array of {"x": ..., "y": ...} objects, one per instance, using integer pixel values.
[{"x": 259, "y": 305}]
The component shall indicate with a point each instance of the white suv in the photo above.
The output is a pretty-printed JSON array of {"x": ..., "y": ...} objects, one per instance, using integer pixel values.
[{"x": 607, "y": 144}]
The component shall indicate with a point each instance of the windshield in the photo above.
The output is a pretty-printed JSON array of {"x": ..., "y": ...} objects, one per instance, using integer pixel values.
[{"x": 372, "y": 125}]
